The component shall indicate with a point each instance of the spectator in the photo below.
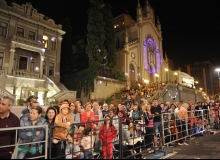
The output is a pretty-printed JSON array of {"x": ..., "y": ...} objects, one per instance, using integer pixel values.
[
  {"x": 75, "y": 116},
  {"x": 72, "y": 148},
  {"x": 63, "y": 121},
  {"x": 31, "y": 134},
  {"x": 107, "y": 134},
  {"x": 105, "y": 109},
  {"x": 29, "y": 106},
  {"x": 7, "y": 119},
  {"x": 87, "y": 142},
  {"x": 50, "y": 118},
  {"x": 88, "y": 116},
  {"x": 156, "y": 111}
]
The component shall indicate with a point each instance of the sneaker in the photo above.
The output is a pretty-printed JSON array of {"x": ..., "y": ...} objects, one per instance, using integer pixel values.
[
  {"x": 186, "y": 144},
  {"x": 148, "y": 149},
  {"x": 180, "y": 144}
]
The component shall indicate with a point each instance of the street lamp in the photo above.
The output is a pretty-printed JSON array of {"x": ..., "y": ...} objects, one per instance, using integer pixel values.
[
  {"x": 157, "y": 75},
  {"x": 217, "y": 70},
  {"x": 166, "y": 69},
  {"x": 175, "y": 73}
]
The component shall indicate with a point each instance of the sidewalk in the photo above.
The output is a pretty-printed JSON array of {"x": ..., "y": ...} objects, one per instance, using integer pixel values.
[{"x": 203, "y": 147}]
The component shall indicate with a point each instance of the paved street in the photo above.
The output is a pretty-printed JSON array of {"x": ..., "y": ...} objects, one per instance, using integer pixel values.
[{"x": 204, "y": 147}]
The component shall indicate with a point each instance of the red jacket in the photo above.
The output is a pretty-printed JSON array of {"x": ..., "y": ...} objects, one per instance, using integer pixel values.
[
  {"x": 85, "y": 118},
  {"x": 107, "y": 135}
]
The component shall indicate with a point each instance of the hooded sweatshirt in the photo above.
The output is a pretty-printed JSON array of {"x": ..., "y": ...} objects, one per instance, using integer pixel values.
[{"x": 62, "y": 121}]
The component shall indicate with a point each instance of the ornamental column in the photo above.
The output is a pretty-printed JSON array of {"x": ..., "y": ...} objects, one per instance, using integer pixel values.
[
  {"x": 11, "y": 58},
  {"x": 41, "y": 66}
]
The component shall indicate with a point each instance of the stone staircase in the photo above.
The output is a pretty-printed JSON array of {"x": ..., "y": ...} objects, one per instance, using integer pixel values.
[{"x": 61, "y": 92}]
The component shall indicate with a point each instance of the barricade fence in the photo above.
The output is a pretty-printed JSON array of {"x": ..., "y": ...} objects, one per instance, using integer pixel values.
[
  {"x": 123, "y": 138},
  {"x": 22, "y": 144}
]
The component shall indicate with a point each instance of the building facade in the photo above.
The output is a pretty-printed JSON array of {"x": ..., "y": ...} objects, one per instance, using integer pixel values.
[
  {"x": 30, "y": 50},
  {"x": 139, "y": 46},
  {"x": 206, "y": 78}
]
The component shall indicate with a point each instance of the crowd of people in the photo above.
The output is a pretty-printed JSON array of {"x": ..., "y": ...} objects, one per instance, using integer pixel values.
[{"x": 77, "y": 130}]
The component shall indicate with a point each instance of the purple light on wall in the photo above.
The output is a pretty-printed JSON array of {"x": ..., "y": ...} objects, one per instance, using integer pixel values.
[{"x": 150, "y": 42}]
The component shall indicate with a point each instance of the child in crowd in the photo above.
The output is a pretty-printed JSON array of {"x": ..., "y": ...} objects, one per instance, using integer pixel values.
[
  {"x": 87, "y": 142},
  {"x": 60, "y": 133},
  {"x": 72, "y": 148},
  {"x": 107, "y": 134}
]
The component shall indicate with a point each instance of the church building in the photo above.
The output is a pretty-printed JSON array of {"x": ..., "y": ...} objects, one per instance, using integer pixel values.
[{"x": 139, "y": 46}]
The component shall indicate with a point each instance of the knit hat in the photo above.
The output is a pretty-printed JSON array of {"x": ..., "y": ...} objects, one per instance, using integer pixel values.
[{"x": 64, "y": 106}]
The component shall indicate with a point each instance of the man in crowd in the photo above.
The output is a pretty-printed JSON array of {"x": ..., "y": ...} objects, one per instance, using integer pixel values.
[{"x": 7, "y": 120}]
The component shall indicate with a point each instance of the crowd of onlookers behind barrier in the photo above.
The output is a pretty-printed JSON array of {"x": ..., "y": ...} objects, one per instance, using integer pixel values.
[{"x": 88, "y": 131}]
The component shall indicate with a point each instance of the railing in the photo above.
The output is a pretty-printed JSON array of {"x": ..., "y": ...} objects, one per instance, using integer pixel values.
[
  {"x": 28, "y": 74},
  {"x": 50, "y": 82},
  {"x": 27, "y": 41},
  {"x": 105, "y": 79},
  {"x": 4, "y": 92},
  {"x": 172, "y": 131},
  {"x": 63, "y": 93},
  {"x": 17, "y": 145}
]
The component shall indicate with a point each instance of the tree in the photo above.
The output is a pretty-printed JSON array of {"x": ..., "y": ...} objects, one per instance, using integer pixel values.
[
  {"x": 110, "y": 40},
  {"x": 66, "y": 48},
  {"x": 80, "y": 57},
  {"x": 96, "y": 33}
]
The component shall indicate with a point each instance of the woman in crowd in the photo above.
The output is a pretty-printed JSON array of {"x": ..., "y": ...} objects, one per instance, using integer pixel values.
[
  {"x": 148, "y": 121},
  {"x": 50, "y": 118},
  {"x": 132, "y": 139},
  {"x": 31, "y": 134},
  {"x": 75, "y": 116},
  {"x": 88, "y": 115}
]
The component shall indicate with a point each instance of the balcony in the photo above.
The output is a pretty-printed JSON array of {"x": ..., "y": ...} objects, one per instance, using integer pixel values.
[
  {"x": 26, "y": 74},
  {"x": 26, "y": 42}
]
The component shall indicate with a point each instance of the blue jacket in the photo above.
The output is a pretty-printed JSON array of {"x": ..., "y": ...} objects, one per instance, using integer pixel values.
[{"x": 29, "y": 135}]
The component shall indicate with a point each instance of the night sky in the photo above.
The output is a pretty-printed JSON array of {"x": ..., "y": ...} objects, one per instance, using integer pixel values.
[{"x": 190, "y": 28}]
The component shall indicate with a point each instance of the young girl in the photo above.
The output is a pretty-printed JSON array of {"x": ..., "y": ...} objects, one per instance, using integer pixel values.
[
  {"x": 72, "y": 148},
  {"x": 107, "y": 134},
  {"x": 87, "y": 143},
  {"x": 64, "y": 121}
]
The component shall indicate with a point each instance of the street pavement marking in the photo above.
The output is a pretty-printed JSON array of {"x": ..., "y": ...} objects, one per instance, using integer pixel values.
[{"x": 168, "y": 155}]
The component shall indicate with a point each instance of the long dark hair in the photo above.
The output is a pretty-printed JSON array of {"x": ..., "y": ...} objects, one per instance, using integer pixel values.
[
  {"x": 109, "y": 119},
  {"x": 54, "y": 109},
  {"x": 57, "y": 109}
]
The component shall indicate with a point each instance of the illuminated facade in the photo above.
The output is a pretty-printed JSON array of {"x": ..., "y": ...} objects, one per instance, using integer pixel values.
[
  {"x": 139, "y": 46},
  {"x": 30, "y": 47}
]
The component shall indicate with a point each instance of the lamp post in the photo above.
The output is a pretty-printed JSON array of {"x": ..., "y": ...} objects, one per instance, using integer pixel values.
[
  {"x": 166, "y": 70},
  {"x": 157, "y": 75},
  {"x": 196, "y": 82},
  {"x": 175, "y": 73}
]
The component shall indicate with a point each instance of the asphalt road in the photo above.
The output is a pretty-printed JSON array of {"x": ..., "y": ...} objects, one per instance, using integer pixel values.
[{"x": 203, "y": 147}]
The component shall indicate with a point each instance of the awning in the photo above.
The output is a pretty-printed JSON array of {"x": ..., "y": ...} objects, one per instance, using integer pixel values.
[{"x": 42, "y": 89}]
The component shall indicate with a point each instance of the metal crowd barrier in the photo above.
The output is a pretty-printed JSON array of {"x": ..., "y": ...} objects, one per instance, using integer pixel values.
[
  {"x": 17, "y": 144},
  {"x": 128, "y": 145}
]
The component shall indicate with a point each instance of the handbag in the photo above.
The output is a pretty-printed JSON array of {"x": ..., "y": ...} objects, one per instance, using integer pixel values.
[{"x": 34, "y": 152}]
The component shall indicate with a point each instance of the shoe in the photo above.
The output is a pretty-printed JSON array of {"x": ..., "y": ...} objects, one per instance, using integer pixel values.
[
  {"x": 192, "y": 138},
  {"x": 148, "y": 149},
  {"x": 186, "y": 144},
  {"x": 180, "y": 144}
]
